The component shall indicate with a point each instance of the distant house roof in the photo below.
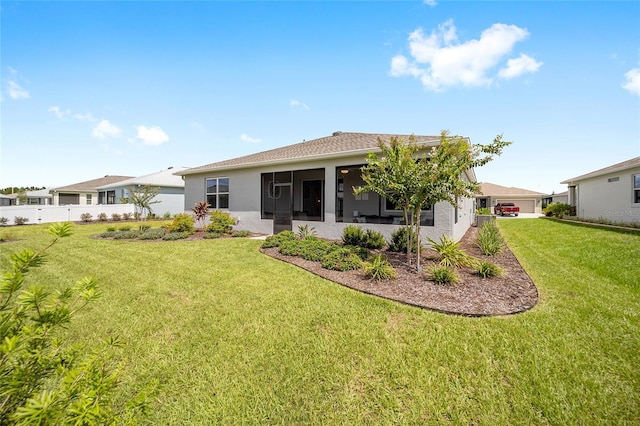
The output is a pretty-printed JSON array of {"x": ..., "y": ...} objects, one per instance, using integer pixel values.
[
  {"x": 634, "y": 162},
  {"x": 90, "y": 185},
  {"x": 163, "y": 178},
  {"x": 40, "y": 193},
  {"x": 493, "y": 190},
  {"x": 339, "y": 144}
]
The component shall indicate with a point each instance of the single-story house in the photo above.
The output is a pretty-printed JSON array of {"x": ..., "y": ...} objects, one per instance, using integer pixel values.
[
  {"x": 5, "y": 200},
  {"x": 170, "y": 195},
  {"x": 40, "y": 197},
  {"x": 611, "y": 193},
  {"x": 310, "y": 183},
  {"x": 492, "y": 194},
  {"x": 85, "y": 193},
  {"x": 560, "y": 197}
]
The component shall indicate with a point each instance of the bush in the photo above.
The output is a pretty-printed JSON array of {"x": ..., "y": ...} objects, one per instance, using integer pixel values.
[
  {"x": 353, "y": 235},
  {"x": 221, "y": 222},
  {"x": 451, "y": 254},
  {"x": 489, "y": 270},
  {"x": 127, "y": 216},
  {"x": 86, "y": 217},
  {"x": 378, "y": 268},
  {"x": 19, "y": 220},
  {"x": 116, "y": 217},
  {"x": 166, "y": 216},
  {"x": 111, "y": 228},
  {"x": 44, "y": 379},
  {"x": 341, "y": 259},
  {"x": 483, "y": 211},
  {"x": 171, "y": 236},
  {"x": 315, "y": 249},
  {"x": 240, "y": 234},
  {"x": 200, "y": 211},
  {"x": 138, "y": 215},
  {"x": 398, "y": 241},
  {"x": 291, "y": 248},
  {"x": 489, "y": 239},
  {"x": 276, "y": 240},
  {"x": 152, "y": 234},
  {"x": 125, "y": 235},
  {"x": 211, "y": 235},
  {"x": 305, "y": 231},
  {"x": 108, "y": 234},
  {"x": 182, "y": 222},
  {"x": 144, "y": 227},
  {"x": 102, "y": 217},
  {"x": 441, "y": 275},
  {"x": 3, "y": 221},
  {"x": 124, "y": 228},
  {"x": 558, "y": 210}
]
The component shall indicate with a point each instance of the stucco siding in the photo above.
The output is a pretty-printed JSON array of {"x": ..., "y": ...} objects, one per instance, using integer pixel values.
[{"x": 608, "y": 196}]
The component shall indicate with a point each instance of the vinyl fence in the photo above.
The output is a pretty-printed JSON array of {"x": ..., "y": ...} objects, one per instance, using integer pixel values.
[{"x": 69, "y": 213}]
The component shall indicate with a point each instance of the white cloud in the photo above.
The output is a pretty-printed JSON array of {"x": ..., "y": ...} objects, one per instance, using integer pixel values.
[
  {"x": 60, "y": 114},
  {"x": 64, "y": 114},
  {"x": 152, "y": 135},
  {"x": 297, "y": 104},
  {"x": 13, "y": 88},
  {"x": 84, "y": 117},
  {"x": 249, "y": 139},
  {"x": 519, "y": 66},
  {"x": 431, "y": 3},
  {"x": 439, "y": 60},
  {"x": 104, "y": 129},
  {"x": 633, "y": 81}
]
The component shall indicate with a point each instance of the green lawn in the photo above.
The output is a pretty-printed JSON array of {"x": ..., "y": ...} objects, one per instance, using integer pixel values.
[{"x": 235, "y": 337}]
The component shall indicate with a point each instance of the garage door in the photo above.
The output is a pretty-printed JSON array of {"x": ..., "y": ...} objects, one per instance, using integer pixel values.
[{"x": 526, "y": 206}]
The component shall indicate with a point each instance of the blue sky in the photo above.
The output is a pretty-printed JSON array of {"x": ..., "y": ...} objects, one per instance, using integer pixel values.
[{"x": 131, "y": 88}]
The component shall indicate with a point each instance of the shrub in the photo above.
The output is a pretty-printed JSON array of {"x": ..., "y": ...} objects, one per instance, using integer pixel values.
[
  {"x": 19, "y": 220},
  {"x": 483, "y": 211},
  {"x": 182, "y": 222},
  {"x": 489, "y": 270},
  {"x": 489, "y": 239},
  {"x": 44, "y": 380},
  {"x": 398, "y": 242},
  {"x": 200, "y": 210},
  {"x": 111, "y": 228},
  {"x": 144, "y": 227},
  {"x": 378, "y": 268},
  {"x": 220, "y": 221},
  {"x": 291, "y": 248},
  {"x": 373, "y": 240},
  {"x": 124, "y": 228},
  {"x": 450, "y": 252},
  {"x": 127, "y": 216},
  {"x": 116, "y": 217},
  {"x": 240, "y": 234},
  {"x": 152, "y": 234},
  {"x": 171, "y": 236},
  {"x": 441, "y": 275},
  {"x": 86, "y": 217},
  {"x": 3, "y": 221},
  {"x": 305, "y": 231},
  {"x": 341, "y": 259},
  {"x": 165, "y": 216},
  {"x": 315, "y": 249},
  {"x": 138, "y": 215},
  {"x": 102, "y": 217},
  {"x": 125, "y": 235},
  {"x": 211, "y": 235},
  {"x": 353, "y": 235},
  {"x": 108, "y": 234},
  {"x": 277, "y": 239},
  {"x": 558, "y": 210}
]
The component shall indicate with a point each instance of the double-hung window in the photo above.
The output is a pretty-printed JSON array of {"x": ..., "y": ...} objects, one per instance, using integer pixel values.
[
  {"x": 636, "y": 189},
  {"x": 218, "y": 192}
]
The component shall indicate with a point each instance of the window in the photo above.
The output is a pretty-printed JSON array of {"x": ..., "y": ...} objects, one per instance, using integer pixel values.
[
  {"x": 613, "y": 179},
  {"x": 218, "y": 193},
  {"x": 636, "y": 189},
  {"x": 298, "y": 195},
  {"x": 88, "y": 199},
  {"x": 111, "y": 197}
]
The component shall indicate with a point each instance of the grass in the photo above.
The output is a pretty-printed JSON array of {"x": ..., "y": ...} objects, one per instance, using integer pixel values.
[{"x": 235, "y": 337}]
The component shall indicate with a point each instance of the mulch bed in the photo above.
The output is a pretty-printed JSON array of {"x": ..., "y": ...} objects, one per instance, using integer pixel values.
[{"x": 473, "y": 295}]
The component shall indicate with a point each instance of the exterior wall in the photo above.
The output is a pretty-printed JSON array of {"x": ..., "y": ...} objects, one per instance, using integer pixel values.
[
  {"x": 525, "y": 202},
  {"x": 599, "y": 198},
  {"x": 245, "y": 201},
  {"x": 171, "y": 199},
  {"x": 82, "y": 198},
  {"x": 70, "y": 213}
]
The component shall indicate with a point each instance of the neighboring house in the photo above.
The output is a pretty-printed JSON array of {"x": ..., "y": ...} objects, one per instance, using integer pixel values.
[
  {"x": 561, "y": 197},
  {"x": 310, "y": 183},
  {"x": 85, "y": 193},
  {"x": 5, "y": 200},
  {"x": 492, "y": 194},
  {"x": 611, "y": 193},
  {"x": 170, "y": 196}
]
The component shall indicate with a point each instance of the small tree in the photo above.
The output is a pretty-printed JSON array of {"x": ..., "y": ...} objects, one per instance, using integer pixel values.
[{"x": 142, "y": 198}]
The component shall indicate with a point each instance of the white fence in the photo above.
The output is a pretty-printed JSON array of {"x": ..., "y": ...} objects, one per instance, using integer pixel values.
[{"x": 69, "y": 213}]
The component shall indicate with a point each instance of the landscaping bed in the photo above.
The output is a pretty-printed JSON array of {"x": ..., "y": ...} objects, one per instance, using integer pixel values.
[{"x": 473, "y": 295}]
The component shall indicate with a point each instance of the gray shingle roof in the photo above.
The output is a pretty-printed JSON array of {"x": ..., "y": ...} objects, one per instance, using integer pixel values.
[
  {"x": 634, "y": 162},
  {"x": 90, "y": 185},
  {"x": 493, "y": 190},
  {"x": 164, "y": 178},
  {"x": 339, "y": 144}
]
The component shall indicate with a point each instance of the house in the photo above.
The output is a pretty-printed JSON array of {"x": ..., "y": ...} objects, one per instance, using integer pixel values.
[
  {"x": 170, "y": 196},
  {"x": 310, "y": 183},
  {"x": 492, "y": 194},
  {"x": 5, "y": 200},
  {"x": 560, "y": 197},
  {"x": 85, "y": 193},
  {"x": 611, "y": 193}
]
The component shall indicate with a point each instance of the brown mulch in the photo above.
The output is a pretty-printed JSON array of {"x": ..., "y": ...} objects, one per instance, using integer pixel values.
[{"x": 473, "y": 295}]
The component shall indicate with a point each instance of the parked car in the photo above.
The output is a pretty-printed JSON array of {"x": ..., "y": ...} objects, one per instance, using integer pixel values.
[{"x": 506, "y": 208}]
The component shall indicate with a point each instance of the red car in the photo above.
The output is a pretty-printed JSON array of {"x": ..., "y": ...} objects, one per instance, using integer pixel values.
[{"x": 506, "y": 208}]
